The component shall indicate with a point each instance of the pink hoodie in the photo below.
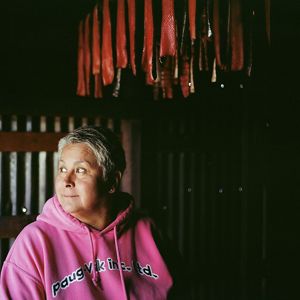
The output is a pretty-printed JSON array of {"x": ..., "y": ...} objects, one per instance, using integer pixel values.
[{"x": 58, "y": 257}]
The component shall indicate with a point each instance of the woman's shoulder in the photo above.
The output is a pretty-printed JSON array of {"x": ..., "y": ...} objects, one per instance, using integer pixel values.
[
  {"x": 28, "y": 250},
  {"x": 140, "y": 216},
  {"x": 33, "y": 229},
  {"x": 28, "y": 239},
  {"x": 145, "y": 224}
]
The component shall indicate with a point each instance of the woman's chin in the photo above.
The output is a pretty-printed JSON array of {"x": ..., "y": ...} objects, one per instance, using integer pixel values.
[{"x": 68, "y": 207}]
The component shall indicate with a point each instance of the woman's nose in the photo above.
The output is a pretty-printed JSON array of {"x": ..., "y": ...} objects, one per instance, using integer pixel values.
[{"x": 69, "y": 179}]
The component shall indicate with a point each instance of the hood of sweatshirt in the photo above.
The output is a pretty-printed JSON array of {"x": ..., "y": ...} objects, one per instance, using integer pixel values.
[{"x": 54, "y": 214}]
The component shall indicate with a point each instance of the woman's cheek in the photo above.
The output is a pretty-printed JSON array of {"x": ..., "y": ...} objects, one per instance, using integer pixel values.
[{"x": 58, "y": 184}]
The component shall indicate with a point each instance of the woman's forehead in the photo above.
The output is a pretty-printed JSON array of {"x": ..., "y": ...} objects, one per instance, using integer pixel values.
[{"x": 80, "y": 150}]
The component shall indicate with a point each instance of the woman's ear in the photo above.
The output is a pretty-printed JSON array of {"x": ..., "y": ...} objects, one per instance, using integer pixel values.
[{"x": 117, "y": 179}]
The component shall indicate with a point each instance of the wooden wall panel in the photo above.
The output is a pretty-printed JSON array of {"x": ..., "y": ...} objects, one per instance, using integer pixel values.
[{"x": 28, "y": 165}]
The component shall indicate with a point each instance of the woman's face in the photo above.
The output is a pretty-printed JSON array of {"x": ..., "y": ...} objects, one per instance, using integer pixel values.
[{"x": 79, "y": 182}]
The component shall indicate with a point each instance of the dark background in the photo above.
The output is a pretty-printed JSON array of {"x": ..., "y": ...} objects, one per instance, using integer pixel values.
[{"x": 38, "y": 53}]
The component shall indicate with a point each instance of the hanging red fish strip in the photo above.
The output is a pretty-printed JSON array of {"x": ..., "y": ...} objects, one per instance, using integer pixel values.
[
  {"x": 192, "y": 83},
  {"x": 80, "y": 63},
  {"x": 192, "y": 18},
  {"x": 214, "y": 72},
  {"x": 121, "y": 36},
  {"x": 184, "y": 78},
  {"x": 96, "y": 55},
  {"x": 163, "y": 83},
  {"x": 236, "y": 36},
  {"x": 249, "y": 42},
  {"x": 87, "y": 54},
  {"x": 204, "y": 38},
  {"x": 227, "y": 53},
  {"x": 167, "y": 78},
  {"x": 216, "y": 33},
  {"x": 121, "y": 50},
  {"x": 147, "y": 55},
  {"x": 175, "y": 60},
  {"x": 107, "y": 56},
  {"x": 157, "y": 80},
  {"x": 98, "y": 86},
  {"x": 167, "y": 36},
  {"x": 131, "y": 16},
  {"x": 192, "y": 22},
  {"x": 96, "y": 42},
  {"x": 185, "y": 55},
  {"x": 117, "y": 85}
]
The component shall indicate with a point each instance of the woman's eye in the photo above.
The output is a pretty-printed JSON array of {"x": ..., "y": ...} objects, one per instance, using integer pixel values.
[
  {"x": 62, "y": 170},
  {"x": 81, "y": 170}
]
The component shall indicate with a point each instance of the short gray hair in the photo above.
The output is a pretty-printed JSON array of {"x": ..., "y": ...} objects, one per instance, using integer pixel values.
[{"x": 105, "y": 145}]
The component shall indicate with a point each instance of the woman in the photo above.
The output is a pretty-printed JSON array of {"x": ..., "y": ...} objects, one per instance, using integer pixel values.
[{"x": 88, "y": 242}]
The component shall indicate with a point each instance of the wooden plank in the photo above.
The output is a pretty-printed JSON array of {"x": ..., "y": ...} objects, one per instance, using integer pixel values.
[
  {"x": 42, "y": 179},
  {"x": 10, "y": 226},
  {"x": 131, "y": 141},
  {"x": 29, "y": 141},
  {"x": 13, "y": 182},
  {"x": 28, "y": 181}
]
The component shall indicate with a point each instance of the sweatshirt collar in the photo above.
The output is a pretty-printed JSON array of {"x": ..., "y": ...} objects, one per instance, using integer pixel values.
[{"x": 54, "y": 214}]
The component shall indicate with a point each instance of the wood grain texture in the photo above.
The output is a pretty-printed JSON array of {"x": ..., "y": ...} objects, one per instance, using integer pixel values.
[
  {"x": 10, "y": 226},
  {"x": 29, "y": 141}
]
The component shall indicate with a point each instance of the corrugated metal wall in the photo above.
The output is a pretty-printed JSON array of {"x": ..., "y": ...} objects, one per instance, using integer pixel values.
[
  {"x": 201, "y": 176},
  {"x": 204, "y": 184}
]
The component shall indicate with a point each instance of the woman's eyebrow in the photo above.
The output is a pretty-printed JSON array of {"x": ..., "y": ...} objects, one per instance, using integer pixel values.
[
  {"x": 83, "y": 161},
  {"x": 78, "y": 161}
]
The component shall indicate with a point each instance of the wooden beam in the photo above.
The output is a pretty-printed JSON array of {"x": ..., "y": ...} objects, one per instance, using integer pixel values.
[
  {"x": 10, "y": 226},
  {"x": 29, "y": 141}
]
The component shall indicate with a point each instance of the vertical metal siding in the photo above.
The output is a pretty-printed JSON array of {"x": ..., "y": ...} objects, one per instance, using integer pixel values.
[
  {"x": 201, "y": 189},
  {"x": 198, "y": 175},
  {"x": 26, "y": 179}
]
